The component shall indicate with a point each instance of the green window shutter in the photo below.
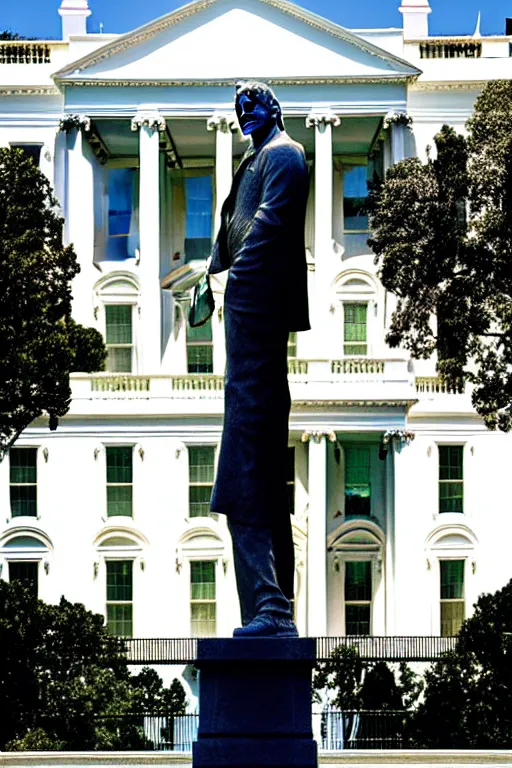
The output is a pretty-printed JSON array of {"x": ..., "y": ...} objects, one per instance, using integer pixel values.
[
  {"x": 23, "y": 481},
  {"x": 355, "y": 329}
]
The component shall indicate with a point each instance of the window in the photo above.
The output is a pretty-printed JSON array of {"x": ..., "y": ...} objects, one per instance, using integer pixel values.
[
  {"x": 27, "y": 573},
  {"x": 354, "y": 329},
  {"x": 357, "y": 481},
  {"x": 358, "y": 597},
  {"x": 122, "y": 226},
  {"x": 119, "y": 337},
  {"x": 452, "y": 596},
  {"x": 23, "y": 481},
  {"x": 203, "y": 607},
  {"x": 355, "y": 192},
  {"x": 198, "y": 226},
  {"x": 120, "y": 597},
  {"x": 290, "y": 479},
  {"x": 201, "y": 464},
  {"x": 31, "y": 151},
  {"x": 200, "y": 348},
  {"x": 292, "y": 345},
  {"x": 119, "y": 481},
  {"x": 451, "y": 494}
]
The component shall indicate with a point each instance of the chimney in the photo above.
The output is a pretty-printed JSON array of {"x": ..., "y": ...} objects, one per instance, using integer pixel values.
[
  {"x": 415, "y": 13},
  {"x": 74, "y": 15}
]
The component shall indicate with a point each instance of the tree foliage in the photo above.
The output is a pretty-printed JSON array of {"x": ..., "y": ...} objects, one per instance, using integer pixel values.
[
  {"x": 353, "y": 684},
  {"x": 41, "y": 344},
  {"x": 468, "y": 693},
  {"x": 442, "y": 234},
  {"x": 65, "y": 682}
]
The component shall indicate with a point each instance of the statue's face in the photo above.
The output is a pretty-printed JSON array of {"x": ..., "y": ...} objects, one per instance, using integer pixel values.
[{"x": 252, "y": 114}]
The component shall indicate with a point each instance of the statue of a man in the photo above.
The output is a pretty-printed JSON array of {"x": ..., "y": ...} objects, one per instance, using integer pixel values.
[{"x": 261, "y": 242}]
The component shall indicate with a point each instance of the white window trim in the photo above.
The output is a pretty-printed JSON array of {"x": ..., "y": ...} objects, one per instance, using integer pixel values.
[
  {"x": 118, "y": 520},
  {"x": 108, "y": 293},
  {"x": 25, "y": 518}
]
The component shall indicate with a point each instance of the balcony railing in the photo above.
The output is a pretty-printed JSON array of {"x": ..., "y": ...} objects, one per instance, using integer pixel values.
[
  {"x": 21, "y": 52},
  {"x": 184, "y": 650},
  {"x": 434, "y": 385},
  {"x": 120, "y": 383},
  {"x": 358, "y": 366},
  {"x": 451, "y": 49}
]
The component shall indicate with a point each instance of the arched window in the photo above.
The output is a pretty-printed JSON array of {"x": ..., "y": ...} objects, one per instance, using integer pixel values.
[
  {"x": 23, "y": 553},
  {"x": 451, "y": 561},
  {"x": 356, "y": 294},
  {"x": 117, "y": 316},
  {"x": 203, "y": 566},
  {"x": 119, "y": 551},
  {"x": 356, "y": 599}
]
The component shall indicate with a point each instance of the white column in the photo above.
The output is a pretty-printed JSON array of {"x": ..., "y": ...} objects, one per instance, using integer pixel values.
[
  {"x": 317, "y": 532},
  {"x": 149, "y": 124},
  {"x": 323, "y": 123},
  {"x": 80, "y": 220},
  {"x": 223, "y": 125},
  {"x": 398, "y": 129}
]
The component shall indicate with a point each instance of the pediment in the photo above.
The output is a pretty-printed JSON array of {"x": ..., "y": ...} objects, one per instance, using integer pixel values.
[{"x": 225, "y": 40}]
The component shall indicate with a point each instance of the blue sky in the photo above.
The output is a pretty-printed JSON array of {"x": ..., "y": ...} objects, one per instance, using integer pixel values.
[{"x": 39, "y": 18}]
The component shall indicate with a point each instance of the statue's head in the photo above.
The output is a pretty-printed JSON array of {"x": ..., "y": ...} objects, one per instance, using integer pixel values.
[{"x": 257, "y": 108}]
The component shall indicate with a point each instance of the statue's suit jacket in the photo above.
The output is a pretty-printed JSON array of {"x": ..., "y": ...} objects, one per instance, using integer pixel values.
[
  {"x": 261, "y": 242},
  {"x": 261, "y": 236}
]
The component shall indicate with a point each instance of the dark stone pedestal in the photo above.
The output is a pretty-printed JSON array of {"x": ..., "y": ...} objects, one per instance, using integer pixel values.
[{"x": 255, "y": 703}]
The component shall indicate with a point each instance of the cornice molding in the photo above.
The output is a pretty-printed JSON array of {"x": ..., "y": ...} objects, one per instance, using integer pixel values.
[
  {"x": 154, "y": 28},
  {"x": 324, "y": 404},
  {"x": 472, "y": 85},
  {"x": 29, "y": 90},
  {"x": 392, "y": 79}
]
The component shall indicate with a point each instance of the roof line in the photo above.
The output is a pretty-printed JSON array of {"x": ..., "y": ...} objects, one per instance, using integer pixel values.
[{"x": 151, "y": 29}]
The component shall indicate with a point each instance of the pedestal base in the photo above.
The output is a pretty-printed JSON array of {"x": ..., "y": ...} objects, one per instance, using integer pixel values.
[{"x": 255, "y": 703}]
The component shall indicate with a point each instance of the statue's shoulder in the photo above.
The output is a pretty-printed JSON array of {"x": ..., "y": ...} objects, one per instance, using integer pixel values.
[{"x": 284, "y": 147}]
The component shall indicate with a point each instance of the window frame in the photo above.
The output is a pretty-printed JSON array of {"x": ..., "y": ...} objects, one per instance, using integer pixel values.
[
  {"x": 349, "y": 557},
  {"x": 108, "y": 516},
  {"x": 445, "y": 601},
  {"x": 35, "y": 449},
  {"x": 345, "y": 168},
  {"x": 121, "y": 558},
  {"x": 22, "y": 144},
  {"x": 130, "y": 346},
  {"x": 450, "y": 481},
  {"x": 198, "y": 344},
  {"x": 197, "y": 484},
  {"x": 203, "y": 601},
  {"x": 346, "y": 448},
  {"x": 25, "y": 561},
  {"x": 353, "y": 303}
]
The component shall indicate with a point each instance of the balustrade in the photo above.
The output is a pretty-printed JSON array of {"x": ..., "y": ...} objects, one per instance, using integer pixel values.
[
  {"x": 434, "y": 385},
  {"x": 120, "y": 383},
  {"x": 364, "y": 366},
  {"x": 17, "y": 52}
]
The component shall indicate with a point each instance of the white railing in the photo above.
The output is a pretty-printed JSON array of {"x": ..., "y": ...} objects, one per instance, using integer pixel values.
[
  {"x": 358, "y": 366},
  {"x": 119, "y": 383},
  {"x": 297, "y": 367},
  {"x": 24, "y": 52},
  {"x": 198, "y": 382},
  {"x": 434, "y": 385}
]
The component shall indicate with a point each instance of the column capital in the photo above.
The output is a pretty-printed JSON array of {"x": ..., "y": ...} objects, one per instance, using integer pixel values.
[
  {"x": 317, "y": 435},
  {"x": 69, "y": 121},
  {"x": 221, "y": 121},
  {"x": 153, "y": 120},
  {"x": 316, "y": 118},
  {"x": 397, "y": 117}
]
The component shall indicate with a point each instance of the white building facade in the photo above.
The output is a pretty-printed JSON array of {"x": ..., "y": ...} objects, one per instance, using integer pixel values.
[{"x": 394, "y": 536}]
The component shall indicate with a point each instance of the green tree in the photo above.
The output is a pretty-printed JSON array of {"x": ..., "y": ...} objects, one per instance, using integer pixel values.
[
  {"x": 41, "y": 344},
  {"x": 442, "y": 234},
  {"x": 468, "y": 693},
  {"x": 65, "y": 681}
]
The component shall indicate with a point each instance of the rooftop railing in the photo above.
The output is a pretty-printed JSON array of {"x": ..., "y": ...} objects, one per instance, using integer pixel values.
[
  {"x": 397, "y": 648},
  {"x": 22, "y": 52}
]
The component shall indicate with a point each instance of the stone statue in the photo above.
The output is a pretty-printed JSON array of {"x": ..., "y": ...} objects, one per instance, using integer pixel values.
[{"x": 261, "y": 243}]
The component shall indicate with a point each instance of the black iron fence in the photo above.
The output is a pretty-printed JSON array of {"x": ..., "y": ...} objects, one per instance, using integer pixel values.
[
  {"x": 362, "y": 729},
  {"x": 184, "y": 650},
  {"x": 334, "y": 729}
]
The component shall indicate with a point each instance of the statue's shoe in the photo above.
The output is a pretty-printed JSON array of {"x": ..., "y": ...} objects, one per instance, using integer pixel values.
[{"x": 266, "y": 625}]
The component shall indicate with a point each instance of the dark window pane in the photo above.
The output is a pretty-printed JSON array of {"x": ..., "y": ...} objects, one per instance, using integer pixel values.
[
  {"x": 31, "y": 151},
  {"x": 118, "y": 323},
  {"x": 451, "y": 497},
  {"x": 119, "y": 464},
  {"x": 120, "y": 620},
  {"x": 201, "y": 463},
  {"x": 357, "y": 619},
  {"x": 23, "y": 465},
  {"x": 119, "y": 500},
  {"x": 200, "y": 359},
  {"x": 199, "y": 206},
  {"x": 202, "y": 572},
  {"x": 200, "y": 332},
  {"x": 119, "y": 579},
  {"x": 27, "y": 573},
  {"x": 450, "y": 462},
  {"x": 358, "y": 580},
  {"x": 24, "y": 500},
  {"x": 355, "y": 192},
  {"x": 357, "y": 481},
  {"x": 452, "y": 579},
  {"x": 200, "y": 496}
]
